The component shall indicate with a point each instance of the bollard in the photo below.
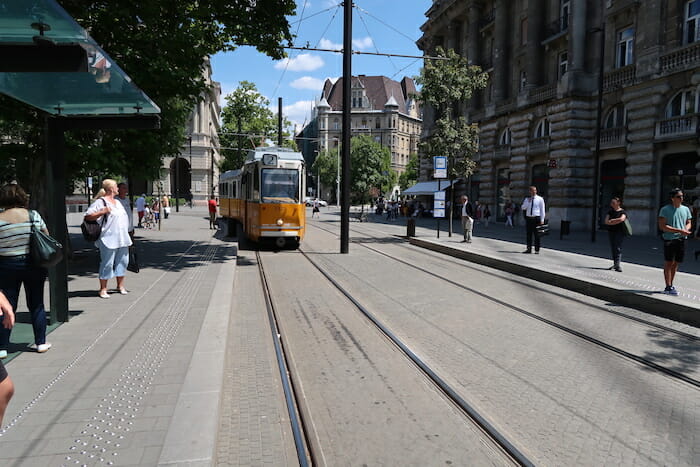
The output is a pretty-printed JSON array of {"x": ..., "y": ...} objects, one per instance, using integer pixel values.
[
  {"x": 410, "y": 227},
  {"x": 565, "y": 229}
]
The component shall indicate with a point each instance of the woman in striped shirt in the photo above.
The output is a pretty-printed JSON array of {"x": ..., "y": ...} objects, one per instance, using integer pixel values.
[{"x": 16, "y": 268}]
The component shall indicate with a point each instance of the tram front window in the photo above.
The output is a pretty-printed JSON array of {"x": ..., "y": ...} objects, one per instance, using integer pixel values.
[{"x": 280, "y": 186}]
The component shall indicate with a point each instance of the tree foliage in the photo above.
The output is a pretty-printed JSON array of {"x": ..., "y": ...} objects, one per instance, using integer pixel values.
[
  {"x": 162, "y": 46},
  {"x": 370, "y": 167},
  {"x": 445, "y": 83},
  {"x": 326, "y": 166},
  {"x": 247, "y": 122},
  {"x": 410, "y": 174}
]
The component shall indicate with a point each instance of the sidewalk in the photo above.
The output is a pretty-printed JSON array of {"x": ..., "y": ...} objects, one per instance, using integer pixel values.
[
  {"x": 134, "y": 379},
  {"x": 573, "y": 262}
]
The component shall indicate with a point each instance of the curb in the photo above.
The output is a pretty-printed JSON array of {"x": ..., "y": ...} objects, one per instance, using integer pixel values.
[{"x": 633, "y": 299}]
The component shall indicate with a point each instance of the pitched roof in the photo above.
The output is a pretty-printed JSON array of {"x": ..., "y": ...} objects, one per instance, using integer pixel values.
[{"x": 379, "y": 89}]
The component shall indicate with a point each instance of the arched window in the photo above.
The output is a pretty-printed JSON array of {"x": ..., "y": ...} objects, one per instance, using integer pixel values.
[
  {"x": 505, "y": 137},
  {"x": 542, "y": 129},
  {"x": 616, "y": 117},
  {"x": 683, "y": 103}
]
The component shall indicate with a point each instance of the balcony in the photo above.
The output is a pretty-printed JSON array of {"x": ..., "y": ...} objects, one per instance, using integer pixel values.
[
  {"x": 613, "y": 137},
  {"x": 677, "y": 127},
  {"x": 681, "y": 59},
  {"x": 538, "y": 145},
  {"x": 619, "y": 78},
  {"x": 543, "y": 93},
  {"x": 556, "y": 29}
]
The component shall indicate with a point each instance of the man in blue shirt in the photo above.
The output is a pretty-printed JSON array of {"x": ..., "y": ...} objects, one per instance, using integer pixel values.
[{"x": 675, "y": 221}]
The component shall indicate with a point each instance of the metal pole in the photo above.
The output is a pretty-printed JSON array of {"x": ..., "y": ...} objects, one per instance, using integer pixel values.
[
  {"x": 599, "y": 116},
  {"x": 347, "y": 86},
  {"x": 437, "y": 218},
  {"x": 279, "y": 121},
  {"x": 337, "y": 179},
  {"x": 177, "y": 182}
]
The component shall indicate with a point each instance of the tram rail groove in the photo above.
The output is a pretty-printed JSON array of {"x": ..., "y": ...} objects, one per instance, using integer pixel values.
[
  {"x": 405, "y": 243},
  {"x": 508, "y": 448},
  {"x": 299, "y": 429},
  {"x": 611, "y": 348}
]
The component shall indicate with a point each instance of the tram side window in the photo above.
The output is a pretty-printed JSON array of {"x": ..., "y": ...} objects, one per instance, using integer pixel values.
[
  {"x": 256, "y": 186},
  {"x": 280, "y": 186}
]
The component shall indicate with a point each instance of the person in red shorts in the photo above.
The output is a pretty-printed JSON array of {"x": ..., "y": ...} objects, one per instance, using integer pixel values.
[{"x": 212, "y": 212}]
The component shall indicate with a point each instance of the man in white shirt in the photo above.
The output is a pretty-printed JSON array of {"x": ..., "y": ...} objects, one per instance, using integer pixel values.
[
  {"x": 467, "y": 220},
  {"x": 533, "y": 209},
  {"x": 141, "y": 207},
  {"x": 122, "y": 191}
]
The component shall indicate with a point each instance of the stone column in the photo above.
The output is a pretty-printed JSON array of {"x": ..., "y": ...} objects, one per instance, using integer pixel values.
[
  {"x": 535, "y": 28},
  {"x": 577, "y": 44},
  {"x": 501, "y": 59}
]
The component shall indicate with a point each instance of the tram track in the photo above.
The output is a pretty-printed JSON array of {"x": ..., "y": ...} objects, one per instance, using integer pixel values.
[{"x": 581, "y": 335}]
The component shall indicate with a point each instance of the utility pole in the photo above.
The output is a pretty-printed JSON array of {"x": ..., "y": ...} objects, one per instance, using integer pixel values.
[
  {"x": 347, "y": 86},
  {"x": 279, "y": 121}
]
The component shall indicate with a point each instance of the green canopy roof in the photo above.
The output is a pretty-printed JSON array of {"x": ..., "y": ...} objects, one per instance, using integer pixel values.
[{"x": 42, "y": 29}]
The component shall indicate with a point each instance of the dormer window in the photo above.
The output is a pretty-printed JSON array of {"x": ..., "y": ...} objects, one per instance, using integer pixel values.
[{"x": 359, "y": 99}]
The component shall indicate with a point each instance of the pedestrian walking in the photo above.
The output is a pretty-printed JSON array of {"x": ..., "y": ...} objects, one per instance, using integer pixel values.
[
  {"x": 675, "y": 221},
  {"x": 509, "y": 211},
  {"x": 315, "y": 208},
  {"x": 141, "y": 208},
  {"x": 467, "y": 219},
  {"x": 122, "y": 192},
  {"x": 165, "y": 202},
  {"x": 212, "y": 212},
  {"x": 614, "y": 220},
  {"x": 16, "y": 267},
  {"x": 487, "y": 214},
  {"x": 7, "y": 389},
  {"x": 533, "y": 210},
  {"x": 114, "y": 241},
  {"x": 155, "y": 209}
]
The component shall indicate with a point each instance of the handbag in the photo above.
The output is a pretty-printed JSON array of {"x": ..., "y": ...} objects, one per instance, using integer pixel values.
[
  {"x": 542, "y": 230},
  {"x": 92, "y": 229},
  {"x": 44, "y": 250},
  {"x": 133, "y": 265},
  {"x": 627, "y": 228}
]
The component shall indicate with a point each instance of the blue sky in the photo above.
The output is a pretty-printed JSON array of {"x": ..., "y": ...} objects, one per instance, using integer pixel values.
[{"x": 386, "y": 26}]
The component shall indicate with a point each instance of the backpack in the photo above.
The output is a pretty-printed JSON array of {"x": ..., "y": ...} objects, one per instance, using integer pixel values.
[{"x": 93, "y": 229}]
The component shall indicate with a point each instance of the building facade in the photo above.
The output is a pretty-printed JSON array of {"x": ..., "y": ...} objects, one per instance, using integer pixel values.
[
  {"x": 538, "y": 117},
  {"x": 195, "y": 170},
  {"x": 384, "y": 109}
]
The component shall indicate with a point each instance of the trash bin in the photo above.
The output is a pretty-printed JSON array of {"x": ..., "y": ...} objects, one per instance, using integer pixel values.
[
  {"x": 565, "y": 229},
  {"x": 410, "y": 227}
]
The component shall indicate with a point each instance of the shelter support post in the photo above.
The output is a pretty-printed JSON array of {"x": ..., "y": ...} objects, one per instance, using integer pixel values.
[{"x": 56, "y": 217}]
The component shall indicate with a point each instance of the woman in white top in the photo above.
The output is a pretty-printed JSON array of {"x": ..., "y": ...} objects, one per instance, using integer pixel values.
[{"x": 114, "y": 241}]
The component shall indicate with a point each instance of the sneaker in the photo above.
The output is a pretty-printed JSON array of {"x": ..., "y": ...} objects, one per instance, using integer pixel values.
[
  {"x": 104, "y": 294},
  {"x": 41, "y": 348},
  {"x": 527, "y": 252},
  {"x": 123, "y": 291},
  {"x": 3, "y": 353},
  {"x": 672, "y": 291}
]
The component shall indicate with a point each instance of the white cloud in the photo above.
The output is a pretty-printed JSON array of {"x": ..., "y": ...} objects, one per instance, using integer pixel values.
[
  {"x": 362, "y": 44},
  {"x": 328, "y": 44},
  {"x": 307, "y": 82},
  {"x": 302, "y": 62},
  {"x": 297, "y": 112}
]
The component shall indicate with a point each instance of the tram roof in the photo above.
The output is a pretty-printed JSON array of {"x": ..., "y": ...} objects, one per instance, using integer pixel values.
[{"x": 281, "y": 153}]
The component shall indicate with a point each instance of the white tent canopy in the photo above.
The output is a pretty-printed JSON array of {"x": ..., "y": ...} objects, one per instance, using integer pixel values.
[{"x": 427, "y": 188}]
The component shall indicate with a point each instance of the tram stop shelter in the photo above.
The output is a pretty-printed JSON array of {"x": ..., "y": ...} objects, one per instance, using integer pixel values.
[{"x": 52, "y": 64}]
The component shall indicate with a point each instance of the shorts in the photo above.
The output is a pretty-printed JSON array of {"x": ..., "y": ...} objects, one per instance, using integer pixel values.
[
  {"x": 3, "y": 372},
  {"x": 674, "y": 250}
]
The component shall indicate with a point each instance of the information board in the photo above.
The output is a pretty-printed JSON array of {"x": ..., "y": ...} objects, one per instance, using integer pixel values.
[
  {"x": 440, "y": 167},
  {"x": 439, "y": 204}
]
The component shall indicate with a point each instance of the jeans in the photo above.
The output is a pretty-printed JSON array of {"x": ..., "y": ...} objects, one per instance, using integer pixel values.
[
  {"x": 616, "y": 237},
  {"x": 14, "y": 273},
  {"x": 113, "y": 261}
]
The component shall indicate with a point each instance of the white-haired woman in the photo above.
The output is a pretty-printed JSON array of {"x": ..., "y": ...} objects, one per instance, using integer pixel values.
[{"x": 114, "y": 242}]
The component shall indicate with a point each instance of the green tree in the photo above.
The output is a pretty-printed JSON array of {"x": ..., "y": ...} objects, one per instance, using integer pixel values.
[
  {"x": 326, "y": 166},
  {"x": 162, "y": 46},
  {"x": 445, "y": 84},
  {"x": 410, "y": 174},
  {"x": 370, "y": 167},
  {"x": 247, "y": 122}
]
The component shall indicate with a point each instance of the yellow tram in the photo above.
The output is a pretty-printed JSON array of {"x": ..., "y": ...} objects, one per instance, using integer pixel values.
[{"x": 264, "y": 199}]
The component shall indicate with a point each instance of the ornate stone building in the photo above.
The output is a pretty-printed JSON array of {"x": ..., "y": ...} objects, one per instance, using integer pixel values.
[
  {"x": 382, "y": 108},
  {"x": 197, "y": 164},
  {"x": 538, "y": 115}
]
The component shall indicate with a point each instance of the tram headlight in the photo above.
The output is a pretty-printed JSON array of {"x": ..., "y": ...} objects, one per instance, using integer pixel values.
[{"x": 280, "y": 222}]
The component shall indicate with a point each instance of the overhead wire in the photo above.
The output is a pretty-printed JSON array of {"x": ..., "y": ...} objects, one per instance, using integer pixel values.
[
  {"x": 374, "y": 43},
  {"x": 286, "y": 65}
]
